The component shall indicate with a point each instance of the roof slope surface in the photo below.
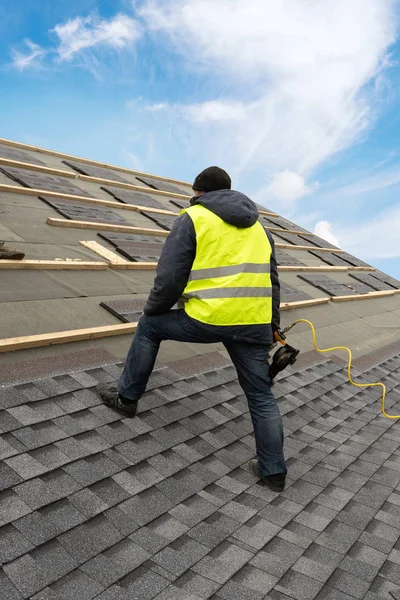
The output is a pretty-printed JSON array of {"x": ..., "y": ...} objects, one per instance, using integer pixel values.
[{"x": 163, "y": 506}]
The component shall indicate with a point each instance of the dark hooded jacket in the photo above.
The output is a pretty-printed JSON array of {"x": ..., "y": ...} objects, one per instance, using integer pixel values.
[{"x": 179, "y": 252}]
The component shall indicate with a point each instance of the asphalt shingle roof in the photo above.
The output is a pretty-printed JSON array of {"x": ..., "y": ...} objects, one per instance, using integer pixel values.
[{"x": 164, "y": 506}]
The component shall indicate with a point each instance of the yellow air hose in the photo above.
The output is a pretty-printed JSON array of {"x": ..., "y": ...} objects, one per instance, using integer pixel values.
[{"x": 323, "y": 350}]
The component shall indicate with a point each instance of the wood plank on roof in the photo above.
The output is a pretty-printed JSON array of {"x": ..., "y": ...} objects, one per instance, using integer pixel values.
[
  {"x": 105, "y": 227},
  {"x": 102, "y": 251},
  {"x": 365, "y": 296},
  {"x": 53, "y": 265},
  {"x": 63, "y": 337}
]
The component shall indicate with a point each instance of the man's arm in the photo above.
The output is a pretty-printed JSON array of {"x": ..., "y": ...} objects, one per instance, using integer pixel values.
[
  {"x": 173, "y": 267},
  {"x": 276, "y": 288}
]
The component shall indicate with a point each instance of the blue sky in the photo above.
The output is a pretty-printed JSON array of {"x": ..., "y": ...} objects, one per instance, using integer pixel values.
[{"x": 298, "y": 100}]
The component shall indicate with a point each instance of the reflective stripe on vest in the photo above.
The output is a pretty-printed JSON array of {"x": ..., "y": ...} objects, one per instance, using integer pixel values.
[
  {"x": 230, "y": 281},
  {"x": 233, "y": 270}
]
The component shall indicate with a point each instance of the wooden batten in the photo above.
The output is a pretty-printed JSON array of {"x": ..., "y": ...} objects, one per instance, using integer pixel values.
[
  {"x": 106, "y": 227},
  {"x": 265, "y": 213},
  {"x": 64, "y": 337},
  {"x": 304, "y": 303},
  {"x": 109, "y": 255},
  {"x": 53, "y": 265},
  {"x": 368, "y": 296},
  {"x": 293, "y": 231},
  {"x": 317, "y": 268},
  {"x": 134, "y": 266},
  {"x": 295, "y": 247}
]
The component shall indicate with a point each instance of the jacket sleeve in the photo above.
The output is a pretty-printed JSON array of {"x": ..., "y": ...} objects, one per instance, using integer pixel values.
[
  {"x": 173, "y": 267},
  {"x": 276, "y": 287}
]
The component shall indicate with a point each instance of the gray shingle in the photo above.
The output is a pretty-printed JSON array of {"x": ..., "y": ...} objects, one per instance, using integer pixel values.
[
  {"x": 12, "y": 507},
  {"x": 12, "y": 544},
  {"x": 8, "y": 475},
  {"x": 8, "y": 590},
  {"x": 115, "y": 563},
  {"x": 192, "y": 511},
  {"x": 146, "y": 506},
  {"x": 277, "y": 557},
  {"x": 192, "y": 583},
  {"x": 256, "y": 532},
  {"x": 214, "y": 530},
  {"x": 89, "y": 539},
  {"x": 72, "y": 586},
  {"x": 180, "y": 555},
  {"x": 140, "y": 448},
  {"x": 89, "y": 470},
  {"x": 39, "y": 435},
  {"x": 142, "y": 583},
  {"x": 180, "y": 486},
  {"x": 46, "y": 489},
  {"x": 48, "y": 522},
  {"x": 338, "y": 536},
  {"x": 222, "y": 562},
  {"x": 348, "y": 583},
  {"x": 299, "y": 586}
]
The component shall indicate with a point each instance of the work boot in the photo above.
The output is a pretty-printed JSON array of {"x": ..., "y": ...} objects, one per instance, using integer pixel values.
[
  {"x": 9, "y": 254},
  {"x": 109, "y": 394},
  {"x": 276, "y": 483}
]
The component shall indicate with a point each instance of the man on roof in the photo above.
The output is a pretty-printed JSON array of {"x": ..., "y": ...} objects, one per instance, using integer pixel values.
[{"x": 218, "y": 263}]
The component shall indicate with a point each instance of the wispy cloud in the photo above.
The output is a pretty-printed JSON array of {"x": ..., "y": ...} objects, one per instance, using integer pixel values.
[
  {"x": 30, "y": 58},
  {"x": 80, "y": 38},
  {"x": 79, "y": 34},
  {"x": 295, "y": 77}
]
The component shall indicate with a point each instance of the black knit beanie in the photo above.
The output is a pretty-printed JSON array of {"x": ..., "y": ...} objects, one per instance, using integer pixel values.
[{"x": 211, "y": 179}]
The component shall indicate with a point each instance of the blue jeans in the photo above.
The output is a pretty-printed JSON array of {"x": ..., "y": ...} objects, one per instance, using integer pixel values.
[{"x": 250, "y": 361}]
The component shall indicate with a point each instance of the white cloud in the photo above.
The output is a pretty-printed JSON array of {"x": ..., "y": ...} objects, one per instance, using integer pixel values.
[
  {"x": 28, "y": 59},
  {"x": 288, "y": 186},
  {"x": 292, "y": 75},
  {"x": 82, "y": 33},
  {"x": 152, "y": 107},
  {"x": 80, "y": 37},
  {"x": 324, "y": 230}
]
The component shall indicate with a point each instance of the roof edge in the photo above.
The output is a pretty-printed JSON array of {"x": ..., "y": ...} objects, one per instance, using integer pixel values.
[{"x": 88, "y": 161}]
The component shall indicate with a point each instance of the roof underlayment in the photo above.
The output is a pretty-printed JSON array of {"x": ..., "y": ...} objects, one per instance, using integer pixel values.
[{"x": 94, "y": 506}]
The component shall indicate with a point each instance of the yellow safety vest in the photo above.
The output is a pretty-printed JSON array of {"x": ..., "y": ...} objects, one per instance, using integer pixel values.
[{"x": 230, "y": 282}]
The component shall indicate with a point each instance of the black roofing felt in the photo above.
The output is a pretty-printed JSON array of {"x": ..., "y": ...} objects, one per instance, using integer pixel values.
[
  {"x": 133, "y": 197},
  {"x": 42, "y": 181},
  {"x": 82, "y": 211},
  {"x": 164, "y": 506},
  {"x": 19, "y": 155},
  {"x": 95, "y": 171}
]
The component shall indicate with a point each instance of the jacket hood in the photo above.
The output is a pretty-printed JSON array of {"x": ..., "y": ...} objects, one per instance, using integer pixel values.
[{"x": 232, "y": 207}]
